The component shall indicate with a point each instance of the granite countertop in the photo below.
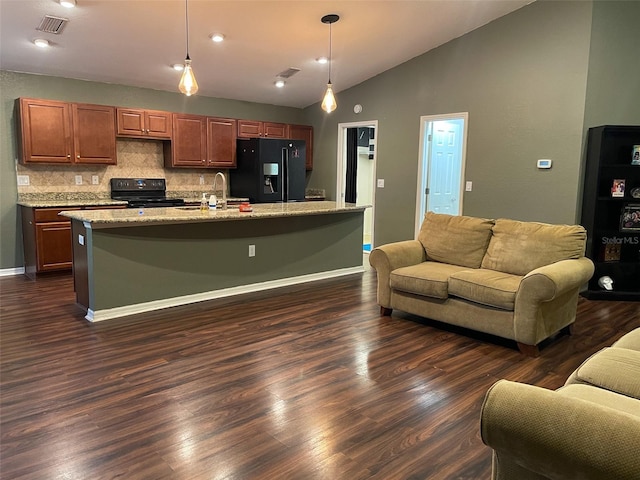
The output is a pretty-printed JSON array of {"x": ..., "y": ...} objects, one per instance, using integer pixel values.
[
  {"x": 62, "y": 203},
  {"x": 171, "y": 215}
]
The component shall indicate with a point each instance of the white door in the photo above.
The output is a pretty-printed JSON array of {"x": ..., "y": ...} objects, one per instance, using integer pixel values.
[{"x": 441, "y": 167}]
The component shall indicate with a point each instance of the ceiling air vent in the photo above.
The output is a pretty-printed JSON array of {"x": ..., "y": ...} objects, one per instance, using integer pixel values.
[
  {"x": 51, "y": 24},
  {"x": 288, "y": 73}
]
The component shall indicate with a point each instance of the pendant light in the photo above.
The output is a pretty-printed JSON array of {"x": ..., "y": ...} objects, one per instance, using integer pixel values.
[
  {"x": 188, "y": 84},
  {"x": 329, "y": 101}
]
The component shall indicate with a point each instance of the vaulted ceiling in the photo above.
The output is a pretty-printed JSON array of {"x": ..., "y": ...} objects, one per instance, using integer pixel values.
[{"x": 135, "y": 42}]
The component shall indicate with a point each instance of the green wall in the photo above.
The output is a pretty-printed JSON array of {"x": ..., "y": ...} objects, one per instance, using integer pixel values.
[
  {"x": 522, "y": 78},
  {"x": 14, "y": 85}
]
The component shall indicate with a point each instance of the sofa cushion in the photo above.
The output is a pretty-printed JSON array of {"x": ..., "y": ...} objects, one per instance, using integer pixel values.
[
  {"x": 457, "y": 240},
  {"x": 602, "y": 397},
  {"x": 487, "y": 287},
  {"x": 614, "y": 369},
  {"x": 630, "y": 340},
  {"x": 520, "y": 247},
  {"x": 430, "y": 279}
]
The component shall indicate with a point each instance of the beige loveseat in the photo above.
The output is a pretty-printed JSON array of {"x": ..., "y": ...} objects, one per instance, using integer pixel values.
[
  {"x": 517, "y": 280},
  {"x": 589, "y": 429}
]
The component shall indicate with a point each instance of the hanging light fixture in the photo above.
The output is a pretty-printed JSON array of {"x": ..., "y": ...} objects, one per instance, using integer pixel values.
[
  {"x": 188, "y": 84},
  {"x": 329, "y": 101}
]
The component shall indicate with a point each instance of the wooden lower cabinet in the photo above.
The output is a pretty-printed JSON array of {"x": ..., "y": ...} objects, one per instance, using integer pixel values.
[{"x": 47, "y": 242}]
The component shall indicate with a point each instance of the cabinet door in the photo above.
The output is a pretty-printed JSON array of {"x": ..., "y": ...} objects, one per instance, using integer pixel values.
[
  {"x": 46, "y": 131},
  {"x": 304, "y": 132},
  {"x": 274, "y": 130},
  {"x": 221, "y": 142},
  {"x": 53, "y": 242},
  {"x": 249, "y": 129},
  {"x": 130, "y": 122},
  {"x": 94, "y": 134},
  {"x": 158, "y": 124},
  {"x": 188, "y": 147}
]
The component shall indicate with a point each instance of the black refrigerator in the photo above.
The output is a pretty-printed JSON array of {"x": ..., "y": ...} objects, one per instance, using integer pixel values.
[{"x": 269, "y": 170}]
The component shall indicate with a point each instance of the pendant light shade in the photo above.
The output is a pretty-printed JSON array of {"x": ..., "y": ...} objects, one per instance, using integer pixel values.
[
  {"x": 329, "y": 103},
  {"x": 188, "y": 84}
]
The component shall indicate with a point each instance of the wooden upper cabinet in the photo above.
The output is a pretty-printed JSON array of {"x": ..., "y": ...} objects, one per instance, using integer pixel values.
[
  {"x": 221, "y": 142},
  {"x": 94, "y": 136},
  {"x": 46, "y": 131},
  {"x": 188, "y": 147},
  {"x": 274, "y": 130},
  {"x": 303, "y": 132},
  {"x": 61, "y": 132},
  {"x": 140, "y": 123},
  {"x": 254, "y": 129}
]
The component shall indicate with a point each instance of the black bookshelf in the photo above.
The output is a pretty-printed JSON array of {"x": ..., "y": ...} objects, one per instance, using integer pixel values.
[{"x": 612, "y": 245}]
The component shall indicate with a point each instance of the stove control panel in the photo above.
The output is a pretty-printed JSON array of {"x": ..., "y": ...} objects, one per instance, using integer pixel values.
[{"x": 137, "y": 184}]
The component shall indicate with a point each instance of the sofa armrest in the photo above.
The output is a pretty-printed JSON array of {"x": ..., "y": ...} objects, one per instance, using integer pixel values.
[
  {"x": 558, "y": 437},
  {"x": 551, "y": 281},
  {"x": 387, "y": 258},
  {"x": 547, "y": 299}
]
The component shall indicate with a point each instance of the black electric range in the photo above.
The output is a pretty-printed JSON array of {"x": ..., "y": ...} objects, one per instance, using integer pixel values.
[{"x": 143, "y": 192}]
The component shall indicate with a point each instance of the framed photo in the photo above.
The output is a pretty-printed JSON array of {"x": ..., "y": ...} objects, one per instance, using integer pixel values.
[
  {"x": 630, "y": 218},
  {"x": 617, "y": 189},
  {"x": 635, "y": 156}
]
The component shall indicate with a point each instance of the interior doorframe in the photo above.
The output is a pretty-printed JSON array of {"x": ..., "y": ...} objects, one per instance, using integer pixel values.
[
  {"x": 424, "y": 121},
  {"x": 341, "y": 166}
]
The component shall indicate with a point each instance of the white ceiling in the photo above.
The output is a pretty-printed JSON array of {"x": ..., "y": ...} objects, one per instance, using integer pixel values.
[{"x": 134, "y": 42}]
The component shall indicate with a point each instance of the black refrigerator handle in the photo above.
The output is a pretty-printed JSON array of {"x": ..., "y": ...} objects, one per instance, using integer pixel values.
[{"x": 285, "y": 173}]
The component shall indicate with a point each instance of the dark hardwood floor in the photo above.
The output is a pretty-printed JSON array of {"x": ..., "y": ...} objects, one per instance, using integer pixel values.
[{"x": 307, "y": 382}]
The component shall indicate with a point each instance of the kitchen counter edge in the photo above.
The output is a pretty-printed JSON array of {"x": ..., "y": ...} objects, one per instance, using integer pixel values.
[{"x": 132, "y": 217}]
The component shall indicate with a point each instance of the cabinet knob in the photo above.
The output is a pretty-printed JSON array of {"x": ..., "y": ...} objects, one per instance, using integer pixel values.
[
  {"x": 77, "y": 156},
  {"x": 69, "y": 155}
]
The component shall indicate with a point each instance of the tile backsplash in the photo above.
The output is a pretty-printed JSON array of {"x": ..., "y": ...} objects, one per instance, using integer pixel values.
[{"x": 136, "y": 159}]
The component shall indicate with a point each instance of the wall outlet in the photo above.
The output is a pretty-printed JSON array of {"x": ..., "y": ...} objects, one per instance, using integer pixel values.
[
  {"x": 252, "y": 250},
  {"x": 78, "y": 179},
  {"x": 23, "y": 180},
  {"x": 201, "y": 179},
  {"x": 468, "y": 186},
  {"x": 95, "y": 180},
  {"x": 381, "y": 183}
]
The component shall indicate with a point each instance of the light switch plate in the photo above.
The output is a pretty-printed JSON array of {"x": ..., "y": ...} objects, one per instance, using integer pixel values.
[
  {"x": 95, "y": 180},
  {"x": 468, "y": 186},
  {"x": 381, "y": 183},
  {"x": 23, "y": 180}
]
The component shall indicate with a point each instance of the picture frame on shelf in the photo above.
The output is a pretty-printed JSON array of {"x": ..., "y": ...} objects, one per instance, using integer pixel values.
[
  {"x": 617, "y": 189},
  {"x": 635, "y": 155},
  {"x": 630, "y": 218},
  {"x": 611, "y": 252}
]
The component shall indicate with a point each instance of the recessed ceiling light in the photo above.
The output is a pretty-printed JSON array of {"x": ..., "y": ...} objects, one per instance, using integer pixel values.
[
  {"x": 68, "y": 3},
  {"x": 322, "y": 60},
  {"x": 217, "y": 37},
  {"x": 41, "y": 42},
  {"x": 178, "y": 66},
  {"x": 280, "y": 83}
]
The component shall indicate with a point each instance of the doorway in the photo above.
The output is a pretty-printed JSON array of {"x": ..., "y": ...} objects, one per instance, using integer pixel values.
[
  {"x": 356, "y": 171},
  {"x": 443, "y": 146}
]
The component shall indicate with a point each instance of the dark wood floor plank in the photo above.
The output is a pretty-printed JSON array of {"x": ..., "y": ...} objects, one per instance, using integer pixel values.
[{"x": 305, "y": 382}]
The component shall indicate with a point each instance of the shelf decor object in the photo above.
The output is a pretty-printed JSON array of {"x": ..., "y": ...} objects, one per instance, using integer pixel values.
[
  {"x": 635, "y": 157},
  {"x": 611, "y": 211}
]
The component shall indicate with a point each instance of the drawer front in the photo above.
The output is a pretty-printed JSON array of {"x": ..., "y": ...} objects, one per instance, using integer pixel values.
[{"x": 51, "y": 214}]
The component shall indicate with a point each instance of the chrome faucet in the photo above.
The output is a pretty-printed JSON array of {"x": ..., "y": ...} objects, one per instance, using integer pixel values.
[{"x": 221, "y": 203}]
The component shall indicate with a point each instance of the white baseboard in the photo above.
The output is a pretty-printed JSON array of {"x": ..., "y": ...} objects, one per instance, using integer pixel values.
[
  {"x": 6, "y": 272},
  {"x": 109, "y": 313}
]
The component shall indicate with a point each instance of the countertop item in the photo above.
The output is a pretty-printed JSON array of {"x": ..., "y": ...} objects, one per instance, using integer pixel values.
[{"x": 192, "y": 214}]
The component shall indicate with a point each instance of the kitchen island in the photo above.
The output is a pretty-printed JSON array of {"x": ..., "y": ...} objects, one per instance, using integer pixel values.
[{"x": 135, "y": 260}]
